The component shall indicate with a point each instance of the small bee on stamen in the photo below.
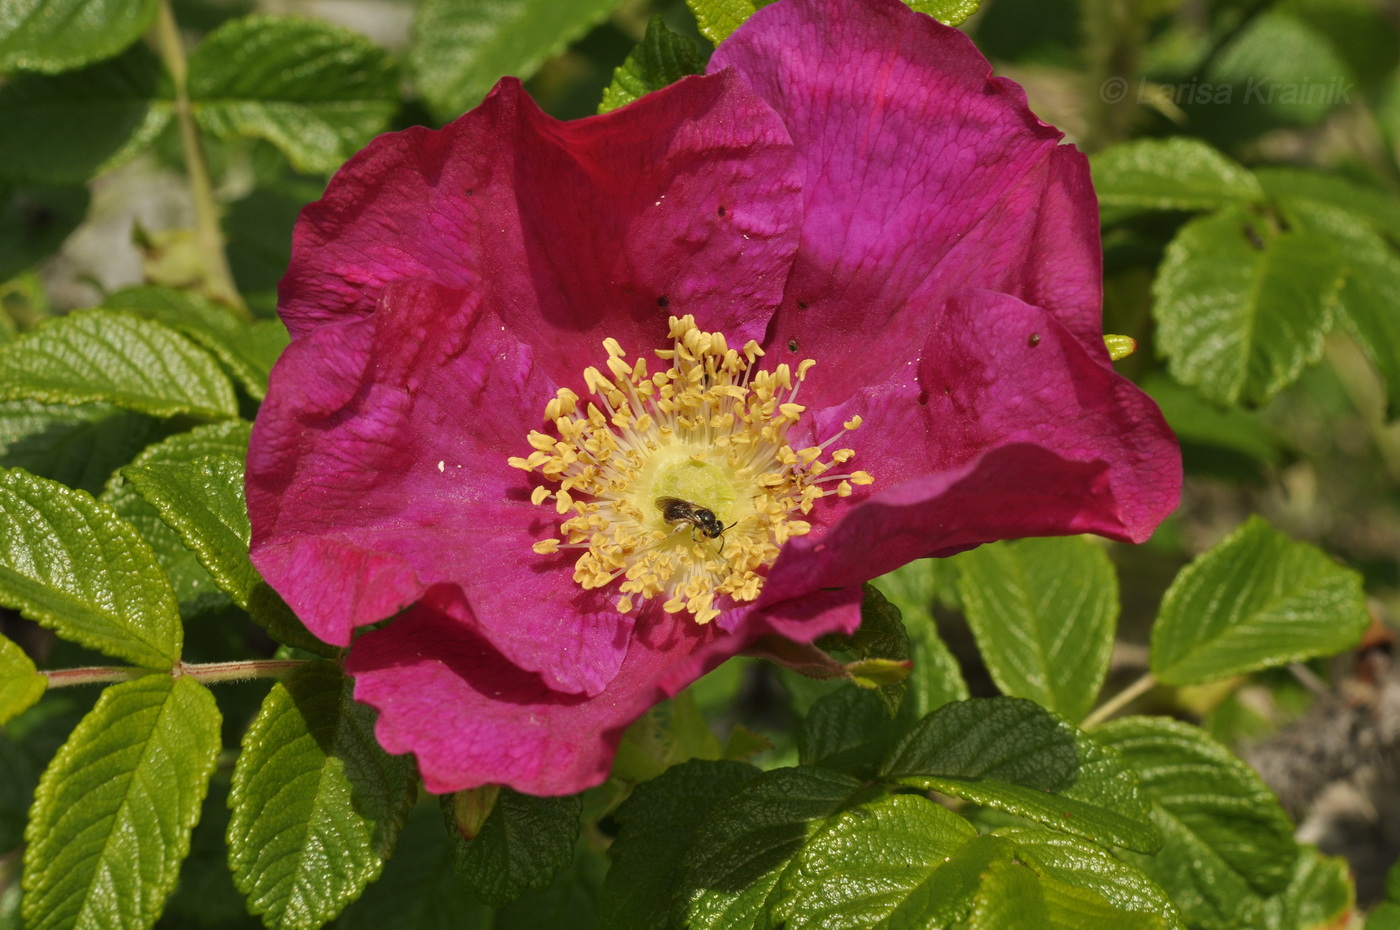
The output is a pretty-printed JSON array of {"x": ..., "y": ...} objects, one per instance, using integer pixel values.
[{"x": 678, "y": 513}]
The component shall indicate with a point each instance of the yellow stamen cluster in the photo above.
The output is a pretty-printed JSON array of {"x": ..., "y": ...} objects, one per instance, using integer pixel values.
[{"x": 709, "y": 430}]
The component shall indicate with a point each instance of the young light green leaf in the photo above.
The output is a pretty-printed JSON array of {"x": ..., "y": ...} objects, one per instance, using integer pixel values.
[
  {"x": 55, "y": 35},
  {"x": 1013, "y": 897},
  {"x": 658, "y": 824},
  {"x": 20, "y": 684},
  {"x": 1090, "y": 868},
  {"x": 1226, "y": 841},
  {"x": 1014, "y": 755},
  {"x": 461, "y": 49},
  {"x": 661, "y": 59},
  {"x": 1256, "y": 600},
  {"x": 69, "y": 128},
  {"x": 521, "y": 846},
  {"x": 316, "y": 91},
  {"x": 1043, "y": 612},
  {"x": 113, "y": 812},
  {"x": 739, "y": 856},
  {"x": 317, "y": 805},
  {"x": 246, "y": 350},
  {"x": 862, "y": 867},
  {"x": 1242, "y": 309},
  {"x": 1170, "y": 174},
  {"x": 70, "y": 563},
  {"x": 109, "y": 357}
]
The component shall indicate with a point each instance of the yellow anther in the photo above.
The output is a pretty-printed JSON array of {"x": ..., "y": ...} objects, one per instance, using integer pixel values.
[
  {"x": 853, "y": 423},
  {"x": 843, "y": 489},
  {"x": 539, "y": 495},
  {"x": 541, "y": 441},
  {"x": 862, "y": 478},
  {"x": 562, "y": 501},
  {"x": 613, "y": 347},
  {"x": 546, "y": 546},
  {"x": 805, "y": 366},
  {"x": 843, "y": 455}
]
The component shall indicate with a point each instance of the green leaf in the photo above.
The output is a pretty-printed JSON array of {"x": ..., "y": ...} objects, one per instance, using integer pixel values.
[
  {"x": 317, "y": 805},
  {"x": 936, "y": 679},
  {"x": 879, "y": 645},
  {"x": 461, "y": 49},
  {"x": 947, "y": 12},
  {"x": 66, "y": 129},
  {"x": 1372, "y": 290},
  {"x": 247, "y": 351},
  {"x": 109, "y": 357},
  {"x": 659, "y": 822},
  {"x": 34, "y": 221},
  {"x": 1043, "y": 612},
  {"x": 20, "y": 684},
  {"x": 1199, "y": 422},
  {"x": 669, "y": 733},
  {"x": 1319, "y": 895},
  {"x": 316, "y": 91},
  {"x": 1379, "y": 208},
  {"x": 1013, "y": 897},
  {"x": 194, "y": 481},
  {"x": 113, "y": 812},
  {"x": 78, "y": 445},
  {"x": 1241, "y": 309},
  {"x": 1015, "y": 756},
  {"x": 1170, "y": 174},
  {"x": 1256, "y": 600},
  {"x": 866, "y": 862},
  {"x": 849, "y": 728},
  {"x": 662, "y": 58},
  {"x": 1089, "y": 868},
  {"x": 419, "y": 889},
  {"x": 739, "y": 856},
  {"x": 521, "y": 846},
  {"x": 70, "y": 563},
  {"x": 718, "y": 18},
  {"x": 55, "y": 35},
  {"x": 1226, "y": 841}
]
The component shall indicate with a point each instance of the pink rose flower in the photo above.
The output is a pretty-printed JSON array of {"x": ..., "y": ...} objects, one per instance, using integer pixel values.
[{"x": 589, "y": 407}]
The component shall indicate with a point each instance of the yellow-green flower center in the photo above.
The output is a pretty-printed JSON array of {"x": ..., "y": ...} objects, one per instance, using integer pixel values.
[{"x": 682, "y": 484}]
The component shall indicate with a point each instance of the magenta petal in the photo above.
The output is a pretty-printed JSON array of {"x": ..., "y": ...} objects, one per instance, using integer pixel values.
[
  {"x": 472, "y": 718},
  {"x": 684, "y": 200},
  {"x": 922, "y": 175},
  {"x": 378, "y": 476},
  {"x": 1032, "y": 436}
]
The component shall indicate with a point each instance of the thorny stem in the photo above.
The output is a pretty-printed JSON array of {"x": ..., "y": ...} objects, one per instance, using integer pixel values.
[
  {"x": 208, "y": 672},
  {"x": 1120, "y": 700},
  {"x": 206, "y": 210}
]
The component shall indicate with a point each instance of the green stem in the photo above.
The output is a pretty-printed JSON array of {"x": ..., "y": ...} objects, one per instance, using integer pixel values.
[
  {"x": 206, "y": 210},
  {"x": 208, "y": 672},
  {"x": 1120, "y": 700}
]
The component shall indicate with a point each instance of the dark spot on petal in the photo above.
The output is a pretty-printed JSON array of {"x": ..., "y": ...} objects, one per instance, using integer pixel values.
[
  {"x": 663, "y": 301},
  {"x": 923, "y": 397},
  {"x": 1034, "y": 340},
  {"x": 470, "y": 192},
  {"x": 802, "y": 305},
  {"x": 792, "y": 345},
  {"x": 721, "y": 211}
]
